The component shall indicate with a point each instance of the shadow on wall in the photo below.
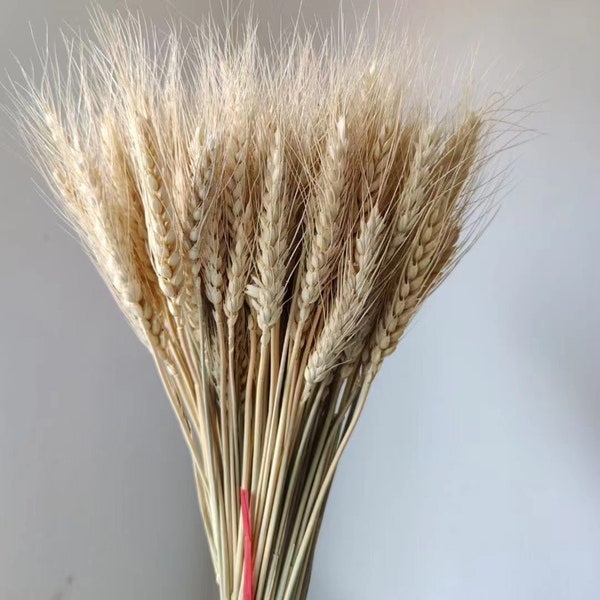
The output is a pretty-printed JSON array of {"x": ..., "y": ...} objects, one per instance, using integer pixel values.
[{"x": 64, "y": 593}]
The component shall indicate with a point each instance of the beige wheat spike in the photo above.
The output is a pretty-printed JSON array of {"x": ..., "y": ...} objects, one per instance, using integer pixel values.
[
  {"x": 118, "y": 171},
  {"x": 379, "y": 161},
  {"x": 240, "y": 215},
  {"x": 213, "y": 258},
  {"x": 202, "y": 170},
  {"x": 450, "y": 174},
  {"x": 268, "y": 285},
  {"x": 411, "y": 197},
  {"x": 238, "y": 210},
  {"x": 324, "y": 244},
  {"x": 234, "y": 173},
  {"x": 180, "y": 213},
  {"x": 162, "y": 235},
  {"x": 409, "y": 293},
  {"x": 352, "y": 299},
  {"x": 203, "y": 183},
  {"x": 119, "y": 179},
  {"x": 208, "y": 250},
  {"x": 109, "y": 231}
]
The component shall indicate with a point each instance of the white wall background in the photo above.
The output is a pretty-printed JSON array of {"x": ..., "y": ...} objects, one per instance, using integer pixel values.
[{"x": 475, "y": 472}]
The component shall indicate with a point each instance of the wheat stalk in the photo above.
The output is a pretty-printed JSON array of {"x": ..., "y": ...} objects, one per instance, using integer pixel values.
[{"x": 269, "y": 226}]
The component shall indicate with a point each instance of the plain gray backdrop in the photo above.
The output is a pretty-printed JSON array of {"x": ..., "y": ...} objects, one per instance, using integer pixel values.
[{"x": 475, "y": 471}]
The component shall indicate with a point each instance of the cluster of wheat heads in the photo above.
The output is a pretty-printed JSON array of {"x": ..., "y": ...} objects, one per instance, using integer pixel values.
[{"x": 269, "y": 221}]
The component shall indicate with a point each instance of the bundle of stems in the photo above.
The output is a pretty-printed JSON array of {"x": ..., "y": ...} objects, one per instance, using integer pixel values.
[{"x": 269, "y": 220}]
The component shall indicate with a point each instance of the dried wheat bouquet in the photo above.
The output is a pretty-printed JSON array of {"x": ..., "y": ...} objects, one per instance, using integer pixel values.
[{"x": 269, "y": 220}]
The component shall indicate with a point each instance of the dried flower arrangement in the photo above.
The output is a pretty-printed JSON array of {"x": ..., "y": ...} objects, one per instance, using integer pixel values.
[{"x": 269, "y": 223}]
